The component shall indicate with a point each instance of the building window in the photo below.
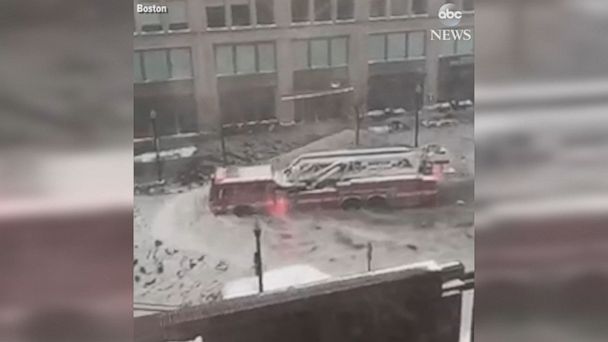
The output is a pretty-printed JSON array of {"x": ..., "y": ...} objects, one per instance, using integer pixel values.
[
  {"x": 240, "y": 15},
  {"x": 266, "y": 57},
  {"x": 181, "y": 63},
  {"x": 224, "y": 60},
  {"x": 138, "y": 73},
  {"x": 156, "y": 65},
  {"x": 265, "y": 12},
  {"x": 399, "y": 7},
  {"x": 299, "y": 11},
  {"x": 149, "y": 22},
  {"x": 301, "y": 54},
  {"x": 322, "y": 10},
  {"x": 162, "y": 65},
  {"x": 377, "y": 48},
  {"x": 245, "y": 58},
  {"x": 377, "y": 8},
  {"x": 448, "y": 47},
  {"x": 346, "y": 9},
  {"x": 396, "y": 46},
  {"x": 468, "y": 5},
  {"x": 321, "y": 53},
  {"x": 178, "y": 19},
  {"x": 419, "y": 6},
  {"x": 216, "y": 16},
  {"x": 464, "y": 47},
  {"x": 415, "y": 44},
  {"x": 457, "y": 47},
  {"x": 339, "y": 52}
]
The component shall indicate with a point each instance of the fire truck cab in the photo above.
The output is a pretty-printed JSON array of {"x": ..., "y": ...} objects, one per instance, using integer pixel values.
[{"x": 242, "y": 190}]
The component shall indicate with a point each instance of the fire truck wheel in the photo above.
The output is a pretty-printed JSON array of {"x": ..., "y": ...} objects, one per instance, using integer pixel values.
[
  {"x": 243, "y": 210},
  {"x": 351, "y": 204},
  {"x": 377, "y": 203}
]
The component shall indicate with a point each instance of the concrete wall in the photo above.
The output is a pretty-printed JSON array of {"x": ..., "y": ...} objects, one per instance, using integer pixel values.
[{"x": 395, "y": 306}]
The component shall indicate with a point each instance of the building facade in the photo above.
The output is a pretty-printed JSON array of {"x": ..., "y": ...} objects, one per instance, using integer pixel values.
[{"x": 209, "y": 62}]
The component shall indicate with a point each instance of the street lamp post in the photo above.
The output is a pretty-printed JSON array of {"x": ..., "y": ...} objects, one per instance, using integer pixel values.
[
  {"x": 159, "y": 166},
  {"x": 418, "y": 103},
  {"x": 257, "y": 258},
  {"x": 357, "y": 124},
  {"x": 223, "y": 144}
]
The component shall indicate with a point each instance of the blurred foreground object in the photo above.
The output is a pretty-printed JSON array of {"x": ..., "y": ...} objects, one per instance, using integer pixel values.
[
  {"x": 418, "y": 302},
  {"x": 541, "y": 183},
  {"x": 66, "y": 171}
]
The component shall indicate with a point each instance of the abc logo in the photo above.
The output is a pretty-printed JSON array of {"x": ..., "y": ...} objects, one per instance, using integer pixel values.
[{"x": 449, "y": 15}]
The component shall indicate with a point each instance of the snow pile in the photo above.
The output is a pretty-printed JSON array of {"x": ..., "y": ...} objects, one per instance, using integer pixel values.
[
  {"x": 399, "y": 111},
  {"x": 149, "y": 157},
  {"x": 278, "y": 279},
  {"x": 376, "y": 113}
]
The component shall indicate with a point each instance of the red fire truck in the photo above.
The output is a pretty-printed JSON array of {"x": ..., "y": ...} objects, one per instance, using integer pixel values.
[{"x": 348, "y": 179}]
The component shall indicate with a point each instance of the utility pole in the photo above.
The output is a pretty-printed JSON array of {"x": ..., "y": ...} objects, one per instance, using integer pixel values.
[
  {"x": 357, "y": 124},
  {"x": 418, "y": 103},
  {"x": 159, "y": 166},
  {"x": 257, "y": 257},
  {"x": 223, "y": 144},
  {"x": 369, "y": 256}
]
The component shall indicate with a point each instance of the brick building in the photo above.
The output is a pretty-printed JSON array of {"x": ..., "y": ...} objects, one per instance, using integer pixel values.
[{"x": 207, "y": 62}]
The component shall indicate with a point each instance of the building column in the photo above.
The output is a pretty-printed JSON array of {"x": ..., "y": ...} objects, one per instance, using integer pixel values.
[
  {"x": 431, "y": 82},
  {"x": 433, "y": 51},
  {"x": 358, "y": 67},
  {"x": 285, "y": 110},
  {"x": 207, "y": 96}
]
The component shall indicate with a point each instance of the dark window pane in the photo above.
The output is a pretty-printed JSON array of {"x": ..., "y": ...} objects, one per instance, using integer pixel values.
[
  {"x": 177, "y": 15},
  {"x": 224, "y": 60},
  {"x": 339, "y": 52},
  {"x": 319, "y": 53},
  {"x": 345, "y": 9},
  {"x": 216, "y": 16},
  {"x": 322, "y": 10},
  {"x": 399, "y": 7},
  {"x": 266, "y": 58},
  {"x": 299, "y": 10},
  {"x": 245, "y": 59},
  {"x": 181, "y": 63},
  {"x": 468, "y": 5},
  {"x": 265, "y": 11},
  {"x": 395, "y": 46},
  {"x": 377, "y": 46},
  {"x": 301, "y": 54},
  {"x": 240, "y": 15},
  {"x": 377, "y": 8},
  {"x": 148, "y": 22},
  {"x": 415, "y": 44},
  {"x": 419, "y": 6},
  {"x": 138, "y": 75},
  {"x": 156, "y": 65}
]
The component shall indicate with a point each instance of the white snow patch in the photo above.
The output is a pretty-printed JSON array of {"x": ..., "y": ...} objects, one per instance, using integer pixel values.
[
  {"x": 379, "y": 129},
  {"x": 277, "y": 279},
  {"x": 149, "y": 157},
  {"x": 376, "y": 112}
]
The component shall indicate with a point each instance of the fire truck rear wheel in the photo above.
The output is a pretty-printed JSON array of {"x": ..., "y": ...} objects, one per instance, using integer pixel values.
[
  {"x": 351, "y": 204},
  {"x": 243, "y": 210}
]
